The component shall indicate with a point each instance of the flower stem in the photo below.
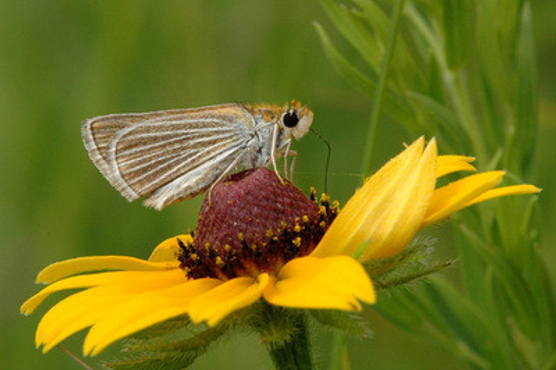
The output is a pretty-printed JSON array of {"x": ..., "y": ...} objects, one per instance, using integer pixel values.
[
  {"x": 381, "y": 86},
  {"x": 339, "y": 359},
  {"x": 295, "y": 352}
]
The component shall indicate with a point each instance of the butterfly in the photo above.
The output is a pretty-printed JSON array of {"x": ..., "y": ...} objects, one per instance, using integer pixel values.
[{"x": 173, "y": 155}]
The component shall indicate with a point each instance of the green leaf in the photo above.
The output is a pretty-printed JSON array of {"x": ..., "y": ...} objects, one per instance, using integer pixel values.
[
  {"x": 527, "y": 348},
  {"x": 375, "y": 17},
  {"x": 446, "y": 122},
  {"x": 472, "y": 267},
  {"x": 516, "y": 289},
  {"x": 405, "y": 309},
  {"x": 405, "y": 278},
  {"x": 417, "y": 252},
  {"x": 158, "y": 361},
  {"x": 492, "y": 58},
  {"x": 551, "y": 363},
  {"x": 527, "y": 115},
  {"x": 347, "y": 322},
  {"x": 172, "y": 349},
  {"x": 465, "y": 322},
  {"x": 185, "y": 339},
  {"x": 445, "y": 318},
  {"x": 406, "y": 267},
  {"x": 342, "y": 65},
  {"x": 404, "y": 65},
  {"x": 435, "y": 85},
  {"x": 397, "y": 109},
  {"x": 457, "y": 31},
  {"x": 543, "y": 292},
  {"x": 163, "y": 328},
  {"x": 355, "y": 33},
  {"x": 378, "y": 268}
]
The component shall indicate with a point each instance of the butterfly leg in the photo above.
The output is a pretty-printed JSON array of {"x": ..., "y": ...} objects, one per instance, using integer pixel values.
[
  {"x": 293, "y": 154},
  {"x": 286, "y": 154},
  {"x": 226, "y": 172},
  {"x": 273, "y": 152}
]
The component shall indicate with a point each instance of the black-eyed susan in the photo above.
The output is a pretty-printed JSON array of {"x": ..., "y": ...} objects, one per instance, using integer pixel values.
[{"x": 261, "y": 238}]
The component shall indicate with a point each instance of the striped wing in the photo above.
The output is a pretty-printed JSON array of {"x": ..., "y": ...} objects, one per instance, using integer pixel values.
[{"x": 170, "y": 155}]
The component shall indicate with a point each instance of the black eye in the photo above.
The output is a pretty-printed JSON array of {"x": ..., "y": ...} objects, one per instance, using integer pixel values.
[{"x": 290, "y": 119}]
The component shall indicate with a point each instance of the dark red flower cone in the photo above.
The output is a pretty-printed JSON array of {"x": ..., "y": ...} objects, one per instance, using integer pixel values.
[{"x": 253, "y": 222}]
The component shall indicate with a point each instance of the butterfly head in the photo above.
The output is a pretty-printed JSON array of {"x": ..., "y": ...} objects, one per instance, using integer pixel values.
[{"x": 296, "y": 119}]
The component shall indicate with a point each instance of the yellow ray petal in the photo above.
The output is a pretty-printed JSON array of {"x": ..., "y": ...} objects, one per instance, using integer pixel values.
[
  {"x": 77, "y": 312},
  {"x": 457, "y": 195},
  {"x": 144, "y": 310},
  {"x": 389, "y": 214},
  {"x": 503, "y": 192},
  {"x": 60, "y": 270},
  {"x": 145, "y": 279},
  {"x": 447, "y": 164},
  {"x": 351, "y": 228},
  {"x": 234, "y": 294},
  {"x": 334, "y": 282},
  {"x": 403, "y": 214},
  {"x": 168, "y": 250}
]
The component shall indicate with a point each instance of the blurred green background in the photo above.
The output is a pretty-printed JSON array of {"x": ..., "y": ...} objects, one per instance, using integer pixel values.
[{"x": 63, "y": 61}]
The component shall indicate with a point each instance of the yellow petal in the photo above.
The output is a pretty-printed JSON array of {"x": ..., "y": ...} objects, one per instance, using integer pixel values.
[
  {"x": 143, "y": 311},
  {"x": 77, "y": 312},
  {"x": 334, "y": 282},
  {"x": 219, "y": 302},
  {"x": 168, "y": 250},
  {"x": 503, "y": 192},
  {"x": 60, "y": 270},
  {"x": 447, "y": 164},
  {"x": 139, "y": 278},
  {"x": 388, "y": 210},
  {"x": 349, "y": 229},
  {"x": 457, "y": 195}
]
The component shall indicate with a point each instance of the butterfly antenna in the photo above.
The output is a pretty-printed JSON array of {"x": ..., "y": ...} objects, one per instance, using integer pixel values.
[
  {"x": 75, "y": 358},
  {"x": 327, "y": 158}
]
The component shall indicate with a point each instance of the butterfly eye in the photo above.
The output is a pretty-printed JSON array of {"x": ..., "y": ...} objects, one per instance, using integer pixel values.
[{"x": 290, "y": 119}]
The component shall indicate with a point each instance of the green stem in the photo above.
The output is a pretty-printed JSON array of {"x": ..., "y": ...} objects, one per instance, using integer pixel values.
[
  {"x": 339, "y": 359},
  {"x": 295, "y": 352},
  {"x": 381, "y": 86}
]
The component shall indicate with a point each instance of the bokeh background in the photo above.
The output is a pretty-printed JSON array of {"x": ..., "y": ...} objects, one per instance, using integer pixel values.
[{"x": 63, "y": 61}]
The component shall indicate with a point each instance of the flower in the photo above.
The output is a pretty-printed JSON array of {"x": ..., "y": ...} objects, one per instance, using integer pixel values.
[{"x": 292, "y": 254}]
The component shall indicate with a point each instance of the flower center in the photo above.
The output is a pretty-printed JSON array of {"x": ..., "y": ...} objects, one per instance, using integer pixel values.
[{"x": 252, "y": 223}]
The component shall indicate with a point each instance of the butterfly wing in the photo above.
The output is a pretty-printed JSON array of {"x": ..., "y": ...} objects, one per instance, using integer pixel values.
[{"x": 171, "y": 154}]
